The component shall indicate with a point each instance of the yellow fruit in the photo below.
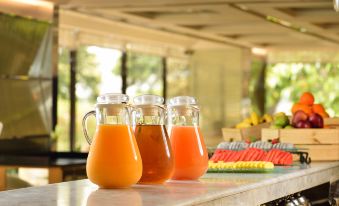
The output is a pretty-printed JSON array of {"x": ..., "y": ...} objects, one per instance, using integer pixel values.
[
  {"x": 255, "y": 118},
  {"x": 241, "y": 165},
  {"x": 269, "y": 165},
  {"x": 268, "y": 118},
  {"x": 248, "y": 120},
  {"x": 242, "y": 125},
  {"x": 279, "y": 114}
]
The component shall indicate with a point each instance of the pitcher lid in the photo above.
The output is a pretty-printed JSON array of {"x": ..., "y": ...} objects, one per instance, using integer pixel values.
[
  {"x": 112, "y": 98},
  {"x": 148, "y": 99},
  {"x": 182, "y": 101}
]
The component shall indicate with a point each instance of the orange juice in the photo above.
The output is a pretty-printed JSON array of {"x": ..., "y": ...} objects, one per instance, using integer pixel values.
[
  {"x": 114, "y": 160},
  {"x": 190, "y": 154}
]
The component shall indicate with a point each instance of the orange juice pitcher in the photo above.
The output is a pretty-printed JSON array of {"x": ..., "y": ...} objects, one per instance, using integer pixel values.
[
  {"x": 113, "y": 160},
  {"x": 190, "y": 154},
  {"x": 152, "y": 139}
]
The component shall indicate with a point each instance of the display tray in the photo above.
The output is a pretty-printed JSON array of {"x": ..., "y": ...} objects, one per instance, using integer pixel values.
[
  {"x": 304, "y": 156},
  {"x": 276, "y": 169},
  {"x": 286, "y": 150},
  {"x": 259, "y": 170}
]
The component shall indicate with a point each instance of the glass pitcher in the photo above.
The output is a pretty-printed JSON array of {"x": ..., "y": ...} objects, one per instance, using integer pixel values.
[
  {"x": 114, "y": 160},
  {"x": 152, "y": 138},
  {"x": 190, "y": 154}
]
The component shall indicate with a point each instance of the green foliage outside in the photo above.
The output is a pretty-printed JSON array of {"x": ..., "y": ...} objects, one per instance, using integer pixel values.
[
  {"x": 144, "y": 74},
  {"x": 62, "y": 130},
  {"x": 322, "y": 79},
  {"x": 284, "y": 82},
  {"x": 178, "y": 75},
  {"x": 143, "y": 70},
  {"x": 88, "y": 79}
]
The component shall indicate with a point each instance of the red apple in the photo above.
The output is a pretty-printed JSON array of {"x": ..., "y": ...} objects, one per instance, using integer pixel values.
[
  {"x": 316, "y": 120},
  {"x": 275, "y": 141},
  {"x": 303, "y": 124},
  {"x": 299, "y": 116}
]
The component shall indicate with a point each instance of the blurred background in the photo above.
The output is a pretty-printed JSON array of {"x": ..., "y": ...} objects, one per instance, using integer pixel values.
[{"x": 234, "y": 56}]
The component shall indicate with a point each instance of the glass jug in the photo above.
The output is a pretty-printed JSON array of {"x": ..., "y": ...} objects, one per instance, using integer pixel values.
[
  {"x": 114, "y": 160},
  {"x": 190, "y": 154},
  {"x": 152, "y": 138}
]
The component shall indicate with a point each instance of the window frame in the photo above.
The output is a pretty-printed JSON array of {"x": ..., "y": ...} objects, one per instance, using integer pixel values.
[{"x": 72, "y": 89}]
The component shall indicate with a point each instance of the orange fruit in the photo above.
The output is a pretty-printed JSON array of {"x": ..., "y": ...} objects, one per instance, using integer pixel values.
[
  {"x": 307, "y": 98},
  {"x": 318, "y": 108},
  {"x": 303, "y": 107},
  {"x": 324, "y": 114},
  {"x": 295, "y": 107}
]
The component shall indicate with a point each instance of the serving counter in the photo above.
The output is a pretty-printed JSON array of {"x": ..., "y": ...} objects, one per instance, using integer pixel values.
[{"x": 211, "y": 189}]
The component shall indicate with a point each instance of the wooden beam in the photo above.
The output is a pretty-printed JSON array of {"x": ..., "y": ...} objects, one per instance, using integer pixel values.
[
  {"x": 269, "y": 38},
  {"x": 314, "y": 45},
  {"x": 332, "y": 27},
  {"x": 310, "y": 29},
  {"x": 178, "y": 30},
  {"x": 203, "y": 18},
  {"x": 122, "y": 31},
  {"x": 210, "y": 22},
  {"x": 328, "y": 18},
  {"x": 245, "y": 28},
  {"x": 165, "y": 3},
  {"x": 288, "y": 4}
]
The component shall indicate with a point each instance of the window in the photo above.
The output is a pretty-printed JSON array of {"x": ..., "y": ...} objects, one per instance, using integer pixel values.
[
  {"x": 61, "y": 135},
  {"x": 96, "y": 73},
  {"x": 144, "y": 74},
  {"x": 286, "y": 81},
  {"x": 98, "y": 70},
  {"x": 177, "y": 77}
]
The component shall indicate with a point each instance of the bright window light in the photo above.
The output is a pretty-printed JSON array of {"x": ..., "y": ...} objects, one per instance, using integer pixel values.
[
  {"x": 259, "y": 51},
  {"x": 38, "y": 3}
]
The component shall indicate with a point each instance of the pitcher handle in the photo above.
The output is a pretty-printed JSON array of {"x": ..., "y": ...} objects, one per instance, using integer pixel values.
[{"x": 84, "y": 125}]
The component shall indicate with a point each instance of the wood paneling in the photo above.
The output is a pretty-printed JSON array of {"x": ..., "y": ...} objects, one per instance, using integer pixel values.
[{"x": 308, "y": 23}]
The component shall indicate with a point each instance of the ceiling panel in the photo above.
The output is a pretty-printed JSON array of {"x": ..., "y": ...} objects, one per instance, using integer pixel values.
[{"x": 244, "y": 23}]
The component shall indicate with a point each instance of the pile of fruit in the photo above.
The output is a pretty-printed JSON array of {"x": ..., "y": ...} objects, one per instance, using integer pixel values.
[
  {"x": 253, "y": 120},
  {"x": 240, "y": 165},
  {"x": 306, "y": 114},
  {"x": 281, "y": 120},
  {"x": 276, "y": 156}
]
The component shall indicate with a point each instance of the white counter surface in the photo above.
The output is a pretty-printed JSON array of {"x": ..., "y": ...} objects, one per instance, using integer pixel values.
[{"x": 211, "y": 189}]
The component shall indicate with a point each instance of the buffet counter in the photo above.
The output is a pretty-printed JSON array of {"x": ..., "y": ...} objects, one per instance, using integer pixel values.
[{"x": 211, "y": 189}]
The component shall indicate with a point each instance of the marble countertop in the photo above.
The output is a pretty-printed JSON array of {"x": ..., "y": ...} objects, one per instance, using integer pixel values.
[{"x": 211, "y": 189}]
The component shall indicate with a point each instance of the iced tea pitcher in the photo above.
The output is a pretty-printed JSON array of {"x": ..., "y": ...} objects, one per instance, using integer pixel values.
[
  {"x": 152, "y": 138},
  {"x": 114, "y": 160},
  {"x": 190, "y": 154}
]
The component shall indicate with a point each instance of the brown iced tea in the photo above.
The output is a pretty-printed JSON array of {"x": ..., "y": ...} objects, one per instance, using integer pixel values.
[{"x": 156, "y": 153}]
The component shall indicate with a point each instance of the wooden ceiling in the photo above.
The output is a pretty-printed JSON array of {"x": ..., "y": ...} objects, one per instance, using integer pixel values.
[{"x": 243, "y": 23}]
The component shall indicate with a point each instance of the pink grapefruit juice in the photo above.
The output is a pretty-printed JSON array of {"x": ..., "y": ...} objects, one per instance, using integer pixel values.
[{"x": 190, "y": 154}]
